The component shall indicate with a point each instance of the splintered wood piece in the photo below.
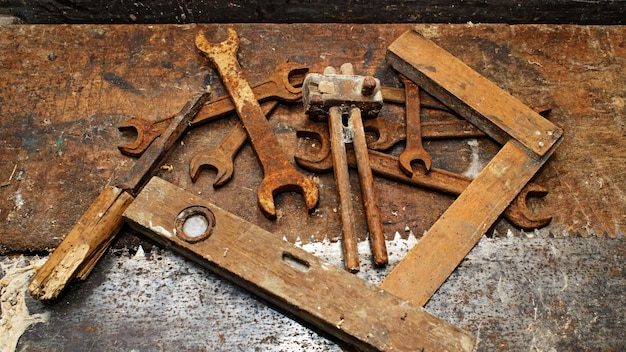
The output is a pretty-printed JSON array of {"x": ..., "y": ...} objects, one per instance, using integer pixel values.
[
  {"x": 425, "y": 268},
  {"x": 320, "y": 293},
  {"x": 470, "y": 94},
  {"x": 89, "y": 239},
  {"x": 85, "y": 244}
]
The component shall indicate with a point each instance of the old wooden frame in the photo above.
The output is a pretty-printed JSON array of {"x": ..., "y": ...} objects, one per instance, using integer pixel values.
[{"x": 528, "y": 140}]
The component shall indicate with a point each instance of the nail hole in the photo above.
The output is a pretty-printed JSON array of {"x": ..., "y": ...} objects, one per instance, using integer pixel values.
[{"x": 295, "y": 262}]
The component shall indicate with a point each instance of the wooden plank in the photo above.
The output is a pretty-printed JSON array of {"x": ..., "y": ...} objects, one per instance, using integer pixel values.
[
  {"x": 418, "y": 276},
  {"x": 470, "y": 94},
  {"x": 84, "y": 244},
  {"x": 330, "y": 298}
]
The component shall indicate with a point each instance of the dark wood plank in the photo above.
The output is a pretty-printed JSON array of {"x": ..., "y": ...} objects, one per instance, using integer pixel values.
[
  {"x": 62, "y": 99},
  {"x": 284, "y": 11},
  {"x": 316, "y": 291}
]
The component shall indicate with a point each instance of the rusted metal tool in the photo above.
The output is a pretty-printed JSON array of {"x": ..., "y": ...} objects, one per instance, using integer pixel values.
[
  {"x": 389, "y": 133},
  {"x": 285, "y": 85},
  {"x": 385, "y": 165},
  {"x": 279, "y": 175},
  {"x": 83, "y": 246},
  {"x": 221, "y": 158},
  {"x": 396, "y": 95},
  {"x": 335, "y": 96},
  {"x": 414, "y": 150}
]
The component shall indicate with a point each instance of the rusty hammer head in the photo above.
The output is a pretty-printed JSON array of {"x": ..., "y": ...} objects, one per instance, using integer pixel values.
[{"x": 320, "y": 92}]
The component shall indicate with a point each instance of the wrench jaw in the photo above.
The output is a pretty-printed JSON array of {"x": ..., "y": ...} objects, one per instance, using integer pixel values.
[
  {"x": 224, "y": 168},
  {"x": 216, "y": 52},
  {"x": 296, "y": 72},
  {"x": 412, "y": 156},
  {"x": 387, "y": 133},
  {"x": 518, "y": 213},
  {"x": 147, "y": 132},
  {"x": 319, "y": 161},
  {"x": 288, "y": 182}
]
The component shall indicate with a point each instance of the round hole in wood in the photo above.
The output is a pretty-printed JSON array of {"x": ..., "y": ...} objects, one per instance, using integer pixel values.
[{"x": 194, "y": 224}]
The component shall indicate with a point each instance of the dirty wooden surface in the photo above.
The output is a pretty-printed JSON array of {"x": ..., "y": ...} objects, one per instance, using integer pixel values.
[{"x": 64, "y": 89}]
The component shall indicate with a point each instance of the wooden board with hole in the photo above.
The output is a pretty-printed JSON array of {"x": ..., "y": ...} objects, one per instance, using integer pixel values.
[{"x": 322, "y": 294}]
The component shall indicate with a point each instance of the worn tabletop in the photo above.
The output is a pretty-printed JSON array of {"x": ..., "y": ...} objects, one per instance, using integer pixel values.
[{"x": 65, "y": 89}]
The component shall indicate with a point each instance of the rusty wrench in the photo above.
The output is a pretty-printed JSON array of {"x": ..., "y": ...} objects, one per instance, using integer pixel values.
[
  {"x": 279, "y": 175},
  {"x": 385, "y": 165},
  {"x": 414, "y": 150},
  {"x": 284, "y": 85},
  {"x": 389, "y": 133},
  {"x": 221, "y": 159}
]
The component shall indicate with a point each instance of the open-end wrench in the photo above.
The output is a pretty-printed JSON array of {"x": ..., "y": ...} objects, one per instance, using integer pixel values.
[
  {"x": 278, "y": 174},
  {"x": 385, "y": 165},
  {"x": 414, "y": 150},
  {"x": 221, "y": 159},
  {"x": 389, "y": 133},
  {"x": 398, "y": 96},
  {"x": 285, "y": 85}
]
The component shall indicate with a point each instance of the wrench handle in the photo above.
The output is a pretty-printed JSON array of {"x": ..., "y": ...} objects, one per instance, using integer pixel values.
[
  {"x": 259, "y": 131},
  {"x": 370, "y": 200},
  {"x": 224, "y": 105},
  {"x": 342, "y": 176}
]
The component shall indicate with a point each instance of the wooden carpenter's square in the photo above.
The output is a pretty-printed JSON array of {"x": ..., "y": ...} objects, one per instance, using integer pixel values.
[
  {"x": 528, "y": 141},
  {"x": 349, "y": 308},
  {"x": 83, "y": 246}
]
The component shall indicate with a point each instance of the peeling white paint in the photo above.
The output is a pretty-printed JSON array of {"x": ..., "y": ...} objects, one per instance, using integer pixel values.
[
  {"x": 160, "y": 230},
  {"x": 18, "y": 199},
  {"x": 15, "y": 315},
  {"x": 475, "y": 165}
]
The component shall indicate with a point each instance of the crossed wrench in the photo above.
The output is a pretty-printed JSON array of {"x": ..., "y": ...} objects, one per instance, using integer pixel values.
[
  {"x": 283, "y": 85},
  {"x": 386, "y": 165},
  {"x": 278, "y": 174}
]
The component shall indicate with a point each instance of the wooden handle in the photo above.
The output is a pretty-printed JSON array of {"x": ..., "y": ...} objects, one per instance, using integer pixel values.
[
  {"x": 368, "y": 192},
  {"x": 83, "y": 245},
  {"x": 344, "y": 191}
]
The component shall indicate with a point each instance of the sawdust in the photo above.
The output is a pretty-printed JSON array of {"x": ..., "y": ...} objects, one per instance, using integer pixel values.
[{"x": 15, "y": 316}]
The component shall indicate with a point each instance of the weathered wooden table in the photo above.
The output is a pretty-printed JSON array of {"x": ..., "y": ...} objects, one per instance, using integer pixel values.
[{"x": 64, "y": 89}]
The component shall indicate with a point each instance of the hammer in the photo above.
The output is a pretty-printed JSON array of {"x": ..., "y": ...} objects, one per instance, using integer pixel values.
[{"x": 343, "y": 99}]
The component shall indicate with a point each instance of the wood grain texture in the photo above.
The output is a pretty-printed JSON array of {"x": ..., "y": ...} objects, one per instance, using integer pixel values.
[
  {"x": 284, "y": 11},
  {"x": 83, "y": 246},
  {"x": 470, "y": 94},
  {"x": 420, "y": 274},
  {"x": 64, "y": 89},
  {"x": 324, "y": 295}
]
